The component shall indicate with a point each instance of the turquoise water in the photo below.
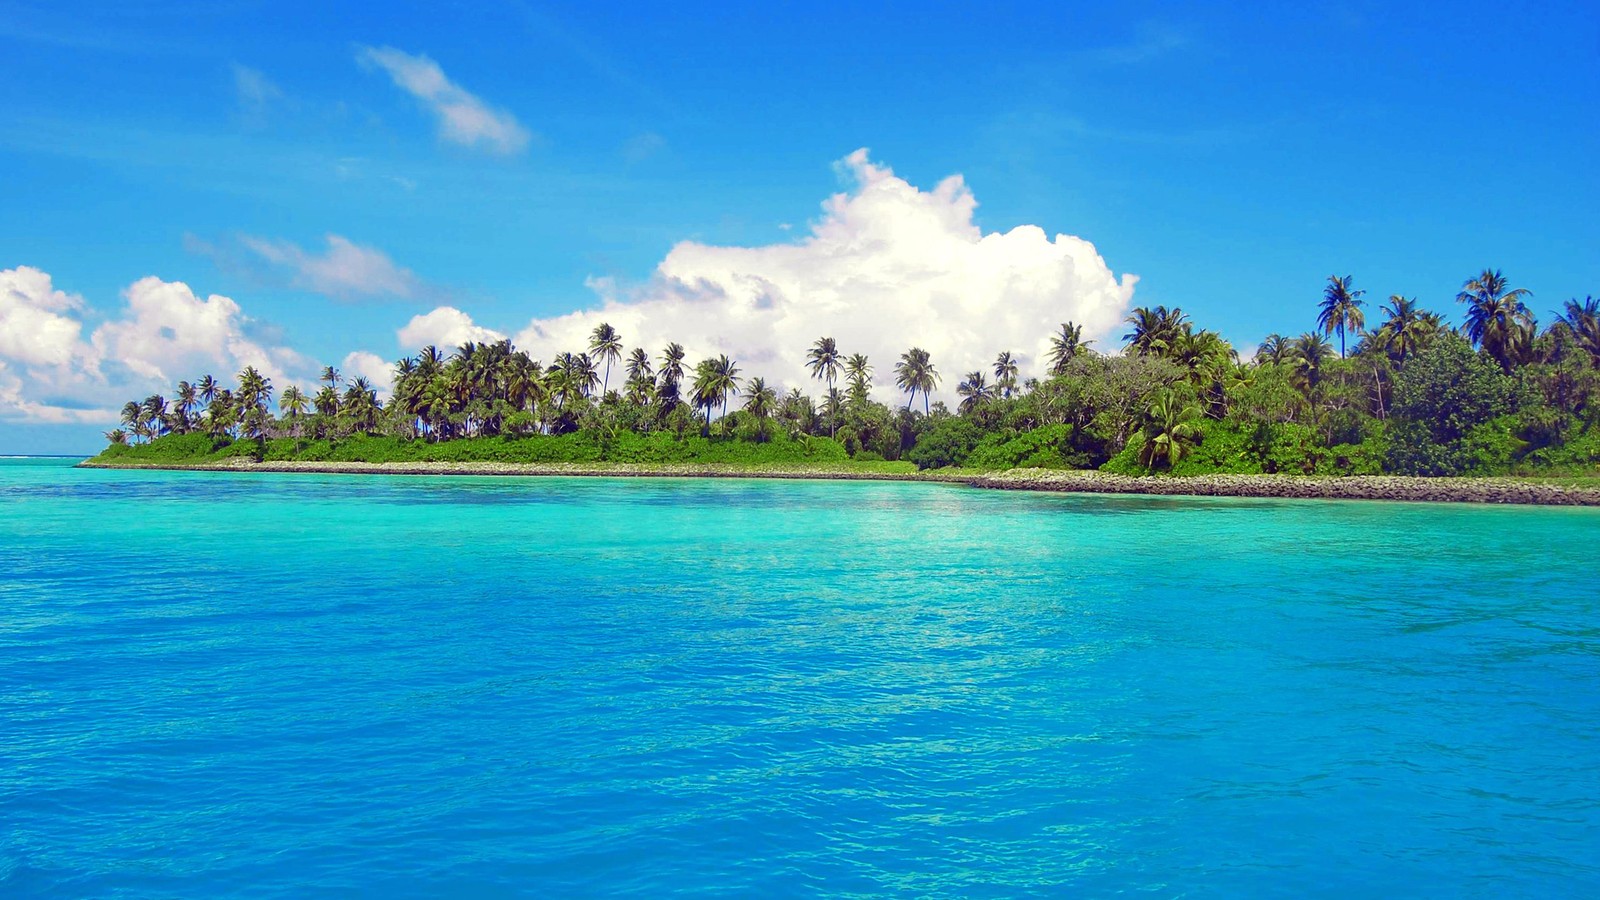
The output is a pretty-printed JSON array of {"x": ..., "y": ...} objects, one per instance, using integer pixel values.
[{"x": 219, "y": 684}]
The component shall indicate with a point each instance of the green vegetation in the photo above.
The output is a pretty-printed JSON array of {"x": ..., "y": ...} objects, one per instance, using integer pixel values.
[{"x": 1409, "y": 396}]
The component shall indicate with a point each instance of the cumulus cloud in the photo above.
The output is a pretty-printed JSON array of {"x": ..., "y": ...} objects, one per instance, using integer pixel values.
[
  {"x": 378, "y": 371},
  {"x": 444, "y": 327},
  {"x": 888, "y": 266},
  {"x": 38, "y": 324},
  {"x": 345, "y": 270},
  {"x": 50, "y": 373},
  {"x": 168, "y": 332},
  {"x": 463, "y": 117}
]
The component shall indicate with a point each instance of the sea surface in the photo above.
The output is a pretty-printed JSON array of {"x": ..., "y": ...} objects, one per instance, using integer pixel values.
[{"x": 300, "y": 685}]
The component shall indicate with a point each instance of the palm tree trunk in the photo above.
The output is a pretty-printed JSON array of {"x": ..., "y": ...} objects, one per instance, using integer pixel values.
[{"x": 833, "y": 420}]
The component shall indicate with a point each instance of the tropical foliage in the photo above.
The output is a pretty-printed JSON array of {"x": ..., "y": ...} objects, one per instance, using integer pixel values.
[{"x": 1409, "y": 395}]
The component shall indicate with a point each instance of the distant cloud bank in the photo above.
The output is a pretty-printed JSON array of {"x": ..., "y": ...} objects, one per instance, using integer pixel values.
[{"x": 886, "y": 267}]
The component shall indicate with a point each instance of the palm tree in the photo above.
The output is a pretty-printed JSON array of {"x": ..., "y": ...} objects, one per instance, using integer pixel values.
[
  {"x": 584, "y": 373},
  {"x": 858, "y": 371},
  {"x": 117, "y": 436},
  {"x": 293, "y": 404},
  {"x": 1203, "y": 353},
  {"x": 641, "y": 383},
  {"x": 221, "y": 414},
  {"x": 915, "y": 372},
  {"x": 704, "y": 389},
  {"x": 185, "y": 405},
  {"x": 974, "y": 392},
  {"x": 155, "y": 414},
  {"x": 1065, "y": 345},
  {"x": 568, "y": 377},
  {"x": 1005, "y": 374},
  {"x": 823, "y": 361},
  {"x": 1311, "y": 350},
  {"x": 255, "y": 392},
  {"x": 1275, "y": 348},
  {"x": 758, "y": 402},
  {"x": 1580, "y": 323},
  {"x": 1154, "y": 329},
  {"x": 725, "y": 380},
  {"x": 639, "y": 365},
  {"x": 326, "y": 402},
  {"x": 1405, "y": 327},
  {"x": 1495, "y": 314},
  {"x": 361, "y": 405},
  {"x": 1340, "y": 309},
  {"x": 524, "y": 382},
  {"x": 206, "y": 389},
  {"x": 671, "y": 374},
  {"x": 832, "y": 406},
  {"x": 798, "y": 412},
  {"x": 714, "y": 381},
  {"x": 606, "y": 345},
  {"x": 1169, "y": 431},
  {"x": 132, "y": 416},
  {"x": 331, "y": 377}
]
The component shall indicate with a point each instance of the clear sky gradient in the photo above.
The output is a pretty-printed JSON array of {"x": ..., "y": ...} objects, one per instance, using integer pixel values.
[{"x": 1231, "y": 158}]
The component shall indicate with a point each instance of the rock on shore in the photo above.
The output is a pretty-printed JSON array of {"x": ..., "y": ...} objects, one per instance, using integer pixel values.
[{"x": 1354, "y": 487}]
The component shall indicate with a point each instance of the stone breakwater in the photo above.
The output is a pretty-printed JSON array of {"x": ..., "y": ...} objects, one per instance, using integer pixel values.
[{"x": 1361, "y": 487}]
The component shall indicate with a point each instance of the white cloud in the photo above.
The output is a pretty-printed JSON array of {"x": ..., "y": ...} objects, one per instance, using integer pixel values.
[
  {"x": 169, "y": 333},
  {"x": 37, "y": 324},
  {"x": 446, "y": 328},
  {"x": 346, "y": 270},
  {"x": 255, "y": 93},
  {"x": 47, "y": 370},
  {"x": 378, "y": 371},
  {"x": 887, "y": 267},
  {"x": 15, "y": 403},
  {"x": 463, "y": 118},
  {"x": 49, "y": 373}
]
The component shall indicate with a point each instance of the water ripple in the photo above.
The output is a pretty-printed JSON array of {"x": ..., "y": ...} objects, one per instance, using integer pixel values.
[{"x": 279, "y": 686}]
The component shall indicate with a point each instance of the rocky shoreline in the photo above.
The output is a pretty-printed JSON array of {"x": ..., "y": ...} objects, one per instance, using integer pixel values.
[
  {"x": 1364, "y": 487},
  {"x": 1355, "y": 487}
]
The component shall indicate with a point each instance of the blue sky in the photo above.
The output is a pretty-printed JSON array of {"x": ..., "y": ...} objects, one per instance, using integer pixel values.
[{"x": 1230, "y": 159}]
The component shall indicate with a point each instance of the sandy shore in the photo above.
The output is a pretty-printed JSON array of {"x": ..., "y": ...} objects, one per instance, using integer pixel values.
[{"x": 1374, "y": 487}]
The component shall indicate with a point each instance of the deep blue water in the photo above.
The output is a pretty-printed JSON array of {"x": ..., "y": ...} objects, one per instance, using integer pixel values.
[{"x": 218, "y": 684}]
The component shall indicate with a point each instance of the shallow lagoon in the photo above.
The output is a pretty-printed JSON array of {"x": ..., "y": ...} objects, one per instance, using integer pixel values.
[{"x": 294, "y": 685}]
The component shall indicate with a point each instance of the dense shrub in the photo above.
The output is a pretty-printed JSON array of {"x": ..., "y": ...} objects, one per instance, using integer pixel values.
[
  {"x": 1049, "y": 447},
  {"x": 947, "y": 443},
  {"x": 1440, "y": 398}
]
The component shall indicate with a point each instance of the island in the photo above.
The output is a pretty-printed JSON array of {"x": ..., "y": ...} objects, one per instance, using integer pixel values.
[{"x": 1497, "y": 410}]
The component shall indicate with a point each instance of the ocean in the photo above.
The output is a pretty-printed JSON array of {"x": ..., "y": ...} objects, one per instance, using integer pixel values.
[{"x": 218, "y": 684}]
